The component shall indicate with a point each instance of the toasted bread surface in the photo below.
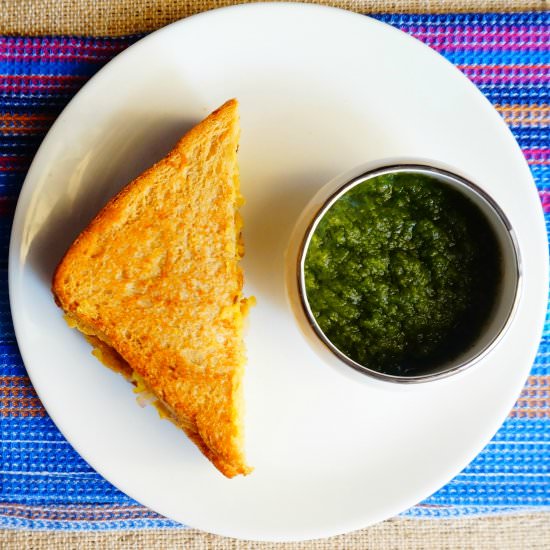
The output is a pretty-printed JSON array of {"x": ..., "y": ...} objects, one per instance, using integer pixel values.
[{"x": 154, "y": 281}]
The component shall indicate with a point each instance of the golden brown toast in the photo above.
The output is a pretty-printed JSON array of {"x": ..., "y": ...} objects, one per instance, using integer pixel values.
[{"x": 154, "y": 282}]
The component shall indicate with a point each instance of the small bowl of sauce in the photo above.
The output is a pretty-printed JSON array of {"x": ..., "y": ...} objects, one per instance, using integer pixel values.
[{"x": 406, "y": 273}]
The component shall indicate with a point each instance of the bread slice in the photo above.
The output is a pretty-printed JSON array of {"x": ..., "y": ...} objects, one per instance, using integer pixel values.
[{"x": 155, "y": 285}]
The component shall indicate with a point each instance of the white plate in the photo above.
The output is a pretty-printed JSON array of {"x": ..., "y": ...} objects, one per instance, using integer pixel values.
[{"x": 321, "y": 90}]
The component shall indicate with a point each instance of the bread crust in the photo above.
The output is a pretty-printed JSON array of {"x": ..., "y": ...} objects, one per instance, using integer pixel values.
[{"x": 155, "y": 277}]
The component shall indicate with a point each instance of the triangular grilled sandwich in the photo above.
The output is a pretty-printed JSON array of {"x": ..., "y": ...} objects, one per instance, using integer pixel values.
[{"x": 154, "y": 283}]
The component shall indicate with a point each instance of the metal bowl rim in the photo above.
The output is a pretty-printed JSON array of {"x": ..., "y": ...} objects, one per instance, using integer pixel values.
[{"x": 421, "y": 169}]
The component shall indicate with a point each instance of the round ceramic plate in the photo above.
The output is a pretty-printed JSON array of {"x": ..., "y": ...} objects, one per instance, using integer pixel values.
[{"x": 321, "y": 91}]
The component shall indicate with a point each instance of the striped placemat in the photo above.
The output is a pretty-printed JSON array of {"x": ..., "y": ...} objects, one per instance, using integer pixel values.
[
  {"x": 125, "y": 17},
  {"x": 44, "y": 484}
]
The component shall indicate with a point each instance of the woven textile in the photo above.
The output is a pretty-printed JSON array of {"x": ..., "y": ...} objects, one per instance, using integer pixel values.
[
  {"x": 44, "y": 484},
  {"x": 525, "y": 532},
  {"x": 115, "y": 18}
]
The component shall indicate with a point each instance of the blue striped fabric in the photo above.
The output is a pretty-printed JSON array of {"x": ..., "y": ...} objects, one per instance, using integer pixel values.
[{"x": 44, "y": 484}]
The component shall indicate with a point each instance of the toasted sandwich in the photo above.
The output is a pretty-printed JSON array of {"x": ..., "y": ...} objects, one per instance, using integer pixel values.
[{"x": 155, "y": 285}]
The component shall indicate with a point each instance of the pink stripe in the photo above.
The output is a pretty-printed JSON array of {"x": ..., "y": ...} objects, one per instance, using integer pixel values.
[
  {"x": 491, "y": 36},
  {"x": 451, "y": 28},
  {"x": 443, "y": 47},
  {"x": 59, "y": 50},
  {"x": 545, "y": 200},
  {"x": 506, "y": 71},
  {"x": 479, "y": 31},
  {"x": 39, "y": 77},
  {"x": 542, "y": 153},
  {"x": 453, "y": 39},
  {"x": 9, "y": 58}
]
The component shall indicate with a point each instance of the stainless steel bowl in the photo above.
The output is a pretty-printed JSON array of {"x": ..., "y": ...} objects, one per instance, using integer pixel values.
[{"x": 505, "y": 303}]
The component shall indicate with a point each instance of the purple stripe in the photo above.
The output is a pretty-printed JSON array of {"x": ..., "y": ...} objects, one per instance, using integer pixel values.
[
  {"x": 476, "y": 31},
  {"x": 537, "y": 153},
  {"x": 50, "y": 50},
  {"x": 501, "y": 46},
  {"x": 545, "y": 200},
  {"x": 469, "y": 38}
]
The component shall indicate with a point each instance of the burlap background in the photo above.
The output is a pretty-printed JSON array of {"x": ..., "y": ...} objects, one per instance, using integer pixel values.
[
  {"x": 118, "y": 17},
  {"x": 527, "y": 532}
]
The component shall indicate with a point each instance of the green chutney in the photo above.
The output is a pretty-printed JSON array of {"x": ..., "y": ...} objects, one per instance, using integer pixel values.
[{"x": 402, "y": 272}]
